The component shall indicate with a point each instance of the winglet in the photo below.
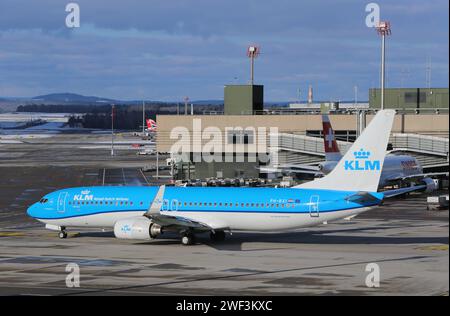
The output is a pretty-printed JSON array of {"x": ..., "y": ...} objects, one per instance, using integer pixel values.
[{"x": 156, "y": 205}]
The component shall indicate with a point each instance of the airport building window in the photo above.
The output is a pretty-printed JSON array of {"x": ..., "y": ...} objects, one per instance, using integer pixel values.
[
  {"x": 414, "y": 97},
  {"x": 240, "y": 137}
]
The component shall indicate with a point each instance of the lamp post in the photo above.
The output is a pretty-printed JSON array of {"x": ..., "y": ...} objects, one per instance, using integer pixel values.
[
  {"x": 186, "y": 100},
  {"x": 252, "y": 53},
  {"x": 383, "y": 29},
  {"x": 112, "y": 130},
  {"x": 143, "y": 118}
]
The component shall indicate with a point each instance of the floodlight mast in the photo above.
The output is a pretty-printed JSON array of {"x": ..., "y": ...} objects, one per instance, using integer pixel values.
[
  {"x": 383, "y": 29},
  {"x": 252, "y": 53},
  {"x": 186, "y": 100}
]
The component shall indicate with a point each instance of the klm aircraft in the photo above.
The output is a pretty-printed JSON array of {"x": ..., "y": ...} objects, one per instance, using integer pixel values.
[{"x": 143, "y": 213}]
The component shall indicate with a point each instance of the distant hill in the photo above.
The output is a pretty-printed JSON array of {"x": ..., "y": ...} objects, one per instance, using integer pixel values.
[{"x": 71, "y": 98}]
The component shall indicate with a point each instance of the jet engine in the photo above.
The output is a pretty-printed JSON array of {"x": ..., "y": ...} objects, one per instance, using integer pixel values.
[
  {"x": 136, "y": 228},
  {"x": 430, "y": 183},
  {"x": 327, "y": 166}
]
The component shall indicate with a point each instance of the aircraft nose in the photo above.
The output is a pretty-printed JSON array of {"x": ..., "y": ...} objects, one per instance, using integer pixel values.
[{"x": 32, "y": 210}]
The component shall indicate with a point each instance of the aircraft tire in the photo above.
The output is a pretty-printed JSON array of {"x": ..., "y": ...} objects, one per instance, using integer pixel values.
[{"x": 187, "y": 239}]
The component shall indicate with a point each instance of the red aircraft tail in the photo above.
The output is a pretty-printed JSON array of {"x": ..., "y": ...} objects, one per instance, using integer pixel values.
[
  {"x": 151, "y": 125},
  {"x": 332, "y": 152}
]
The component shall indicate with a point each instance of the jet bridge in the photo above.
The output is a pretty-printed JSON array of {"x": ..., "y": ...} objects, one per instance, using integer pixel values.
[{"x": 431, "y": 151}]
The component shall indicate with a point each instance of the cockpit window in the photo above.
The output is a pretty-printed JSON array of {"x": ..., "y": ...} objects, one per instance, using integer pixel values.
[{"x": 43, "y": 200}]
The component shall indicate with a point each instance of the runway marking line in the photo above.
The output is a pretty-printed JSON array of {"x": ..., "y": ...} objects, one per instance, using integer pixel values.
[
  {"x": 11, "y": 234},
  {"x": 434, "y": 247},
  {"x": 20, "y": 234}
]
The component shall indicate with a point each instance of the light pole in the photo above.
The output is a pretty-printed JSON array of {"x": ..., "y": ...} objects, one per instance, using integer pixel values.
[
  {"x": 252, "y": 53},
  {"x": 143, "y": 118},
  {"x": 186, "y": 100},
  {"x": 112, "y": 130},
  {"x": 384, "y": 29}
]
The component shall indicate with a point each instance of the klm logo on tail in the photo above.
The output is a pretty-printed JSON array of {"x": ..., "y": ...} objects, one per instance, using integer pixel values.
[{"x": 362, "y": 162}]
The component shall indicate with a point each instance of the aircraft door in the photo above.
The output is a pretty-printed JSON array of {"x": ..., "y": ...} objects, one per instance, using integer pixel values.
[
  {"x": 314, "y": 206},
  {"x": 165, "y": 205},
  {"x": 174, "y": 205},
  {"x": 61, "y": 204}
]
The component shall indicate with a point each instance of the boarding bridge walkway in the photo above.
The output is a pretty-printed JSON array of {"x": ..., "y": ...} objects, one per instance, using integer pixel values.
[{"x": 431, "y": 151}]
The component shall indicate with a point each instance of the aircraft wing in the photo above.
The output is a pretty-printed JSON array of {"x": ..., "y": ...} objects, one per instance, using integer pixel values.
[
  {"x": 183, "y": 222},
  {"x": 416, "y": 176},
  {"x": 396, "y": 192},
  {"x": 154, "y": 214}
]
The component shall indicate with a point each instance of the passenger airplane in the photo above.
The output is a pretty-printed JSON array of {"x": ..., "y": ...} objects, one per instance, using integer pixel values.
[
  {"x": 397, "y": 169},
  {"x": 143, "y": 213}
]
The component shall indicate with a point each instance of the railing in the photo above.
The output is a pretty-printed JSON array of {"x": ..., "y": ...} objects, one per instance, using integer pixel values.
[
  {"x": 437, "y": 146},
  {"x": 346, "y": 111},
  {"x": 420, "y": 143},
  {"x": 306, "y": 144}
]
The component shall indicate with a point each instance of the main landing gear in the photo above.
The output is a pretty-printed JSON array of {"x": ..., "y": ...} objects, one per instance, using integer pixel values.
[
  {"x": 217, "y": 235},
  {"x": 187, "y": 238},
  {"x": 62, "y": 234}
]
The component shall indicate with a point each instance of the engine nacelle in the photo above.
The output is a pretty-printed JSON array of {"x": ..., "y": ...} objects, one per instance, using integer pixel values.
[
  {"x": 327, "y": 166},
  {"x": 431, "y": 184},
  {"x": 136, "y": 228}
]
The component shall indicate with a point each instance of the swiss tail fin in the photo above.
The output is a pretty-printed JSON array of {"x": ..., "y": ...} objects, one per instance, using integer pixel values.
[
  {"x": 332, "y": 152},
  {"x": 360, "y": 168},
  {"x": 151, "y": 125}
]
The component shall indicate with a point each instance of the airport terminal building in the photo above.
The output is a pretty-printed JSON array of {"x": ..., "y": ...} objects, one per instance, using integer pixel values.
[{"x": 246, "y": 136}]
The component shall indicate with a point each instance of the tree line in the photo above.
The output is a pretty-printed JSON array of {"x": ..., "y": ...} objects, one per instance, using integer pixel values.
[{"x": 126, "y": 117}]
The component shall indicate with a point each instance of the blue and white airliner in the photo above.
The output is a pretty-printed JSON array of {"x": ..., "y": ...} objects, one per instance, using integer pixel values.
[{"x": 143, "y": 213}]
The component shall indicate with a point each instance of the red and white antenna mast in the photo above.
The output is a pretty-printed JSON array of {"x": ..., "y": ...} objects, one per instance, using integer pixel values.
[{"x": 252, "y": 53}]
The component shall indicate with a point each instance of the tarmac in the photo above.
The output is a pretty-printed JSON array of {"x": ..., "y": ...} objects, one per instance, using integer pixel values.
[{"x": 408, "y": 243}]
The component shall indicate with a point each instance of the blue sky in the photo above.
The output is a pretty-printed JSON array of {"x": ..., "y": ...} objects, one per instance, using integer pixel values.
[{"x": 165, "y": 50}]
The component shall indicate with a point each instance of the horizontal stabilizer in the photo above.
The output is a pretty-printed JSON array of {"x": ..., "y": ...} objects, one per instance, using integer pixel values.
[
  {"x": 397, "y": 192},
  {"x": 363, "y": 198}
]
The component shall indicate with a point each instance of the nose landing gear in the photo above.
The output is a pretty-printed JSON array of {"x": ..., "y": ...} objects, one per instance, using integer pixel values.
[{"x": 62, "y": 234}]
